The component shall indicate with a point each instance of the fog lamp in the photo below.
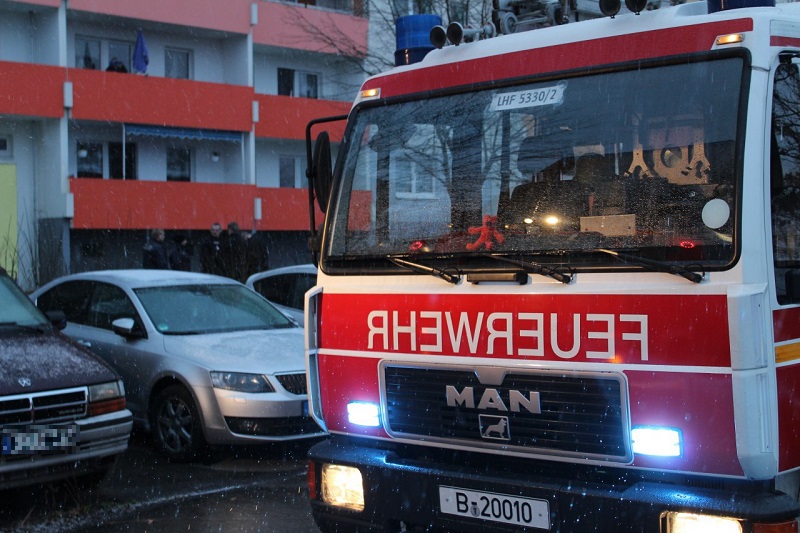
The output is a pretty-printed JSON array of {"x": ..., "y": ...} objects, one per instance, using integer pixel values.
[
  {"x": 342, "y": 486},
  {"x": 650, "y": 440},
  {"x": 698, "y": 523},
  {"x": 363, "y": 414},
  {"x": 551, "y": 220}
]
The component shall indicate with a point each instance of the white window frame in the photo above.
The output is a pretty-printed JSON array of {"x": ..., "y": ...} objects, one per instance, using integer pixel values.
[
  {"x": 297, "y": 75},
  {"x": 80, "y": 54},
  {"x": 127, "y": 61},
  {"x": 414, "y": 178},
  {"x": 298, "y": 171},
  {"x": 189, "y": 163},
  {"x": 189, "y": 62}
]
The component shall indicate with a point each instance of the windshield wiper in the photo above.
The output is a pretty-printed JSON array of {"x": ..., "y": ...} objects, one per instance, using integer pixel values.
[
  {"x": 416, "y": 267},
  {"x": 532, "y": 267},
  {"x": 657, "y": 266}
]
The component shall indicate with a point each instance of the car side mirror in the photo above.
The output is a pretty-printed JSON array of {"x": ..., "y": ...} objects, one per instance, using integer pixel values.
[
  {"x": 126, "y": 327},
  {"x": 57, "y": 318}
]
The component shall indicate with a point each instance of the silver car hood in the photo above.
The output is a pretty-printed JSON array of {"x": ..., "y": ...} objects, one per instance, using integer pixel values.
[{"x": 261, "y": 351}]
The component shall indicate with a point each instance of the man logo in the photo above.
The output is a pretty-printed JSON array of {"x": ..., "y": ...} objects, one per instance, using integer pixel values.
[
  {"x": 24, "y": 382},
  {"x": 494, "y": 427}
]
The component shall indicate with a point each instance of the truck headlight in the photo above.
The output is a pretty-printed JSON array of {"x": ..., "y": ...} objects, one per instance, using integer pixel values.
[
  {"x": 363, "y": 414},
  {"x": 698, "y": 523},
  {"x": 342, "y": 486}
]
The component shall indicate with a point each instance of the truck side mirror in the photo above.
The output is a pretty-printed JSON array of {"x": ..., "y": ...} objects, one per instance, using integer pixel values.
[{"x": 322, "y": 173}]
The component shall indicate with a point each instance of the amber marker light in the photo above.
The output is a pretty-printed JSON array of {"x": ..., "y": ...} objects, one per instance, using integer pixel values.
[
  {"x": 369, "y": 94},
  {"x": 732, "y": 38}
]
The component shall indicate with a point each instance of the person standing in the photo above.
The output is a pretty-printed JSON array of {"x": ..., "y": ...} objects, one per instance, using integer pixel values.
[
  {"x": 210, "y": 252},
  {"x": 181, "y": 256},
  {"x": 233, "y": 252},
  {"x": 154, "y": 253}
]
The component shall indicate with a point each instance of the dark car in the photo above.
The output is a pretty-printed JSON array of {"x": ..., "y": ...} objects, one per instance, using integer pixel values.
[{"x": 62, "y": 410}]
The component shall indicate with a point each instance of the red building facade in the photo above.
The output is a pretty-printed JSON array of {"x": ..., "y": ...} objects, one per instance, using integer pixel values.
[{"x": 213, "y": 131}]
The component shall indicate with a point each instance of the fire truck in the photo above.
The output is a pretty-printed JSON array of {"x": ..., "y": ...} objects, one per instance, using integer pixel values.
[{"x": 559, "y": 277}]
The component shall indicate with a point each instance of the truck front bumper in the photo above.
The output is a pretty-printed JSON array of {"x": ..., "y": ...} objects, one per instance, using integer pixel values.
[{"x": 417, "y": 491}]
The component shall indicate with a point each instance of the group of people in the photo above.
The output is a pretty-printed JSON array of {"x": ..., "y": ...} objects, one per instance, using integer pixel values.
[
  {"x": 156, "y": 255},
  {"x": 229, "y": 253}
]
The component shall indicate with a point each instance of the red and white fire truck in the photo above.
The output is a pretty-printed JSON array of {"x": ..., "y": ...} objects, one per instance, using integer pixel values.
[{"x": 559, "y": 282}]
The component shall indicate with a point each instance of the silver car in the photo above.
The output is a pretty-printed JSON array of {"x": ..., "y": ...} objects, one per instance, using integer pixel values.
[
  {"x": 204, "y": 359},
  {"x": 285, "y": 287}
]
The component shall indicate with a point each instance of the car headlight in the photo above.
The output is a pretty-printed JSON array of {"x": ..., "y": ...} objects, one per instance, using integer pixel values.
[
  {"x": 106, "y": 398},
  {"x": 241, "y": 382}
]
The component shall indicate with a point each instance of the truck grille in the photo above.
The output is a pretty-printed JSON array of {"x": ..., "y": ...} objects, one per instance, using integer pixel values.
[
  {"x": 294, "y": 383},
  {"x": 583, "y": 415},
  {"x": 69, "y": 404}
]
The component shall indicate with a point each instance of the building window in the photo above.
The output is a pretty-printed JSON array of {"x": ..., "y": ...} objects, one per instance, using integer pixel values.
[
  {"x": 121, "y": 52},
  {"x": 90, "y": 160},
  {"x": 412, "y": 180},
  {"x": 288, "y": 171},
  {"x": 6, "y": 146},
  {"x": 177, "y": 64},
  {"x": 459, "y": 12},
  {"x": 412, "y": 7},
  {"x": 87, "y": 53},
  {"x": 115, "y": 161},
  {"x": 298, "y": 83},
  {"x": 179, "y": 164}
]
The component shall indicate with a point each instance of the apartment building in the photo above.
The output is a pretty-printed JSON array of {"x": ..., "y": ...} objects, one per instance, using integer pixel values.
[{"x": 93, "y": 154}]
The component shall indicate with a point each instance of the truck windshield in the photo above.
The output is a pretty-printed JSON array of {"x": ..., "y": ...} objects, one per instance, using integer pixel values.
[{"x": 641, "y": 161}]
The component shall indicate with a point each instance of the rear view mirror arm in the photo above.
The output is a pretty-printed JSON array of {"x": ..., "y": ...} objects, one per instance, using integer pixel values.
[{"x": 314, "y": 173}]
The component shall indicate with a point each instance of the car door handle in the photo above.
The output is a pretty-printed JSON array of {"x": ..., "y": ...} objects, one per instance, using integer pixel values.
[{"x": 84, "y": 343}]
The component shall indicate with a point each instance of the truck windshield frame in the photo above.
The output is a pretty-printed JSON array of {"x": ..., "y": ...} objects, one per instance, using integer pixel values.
[{"x": 552, "y": 169}]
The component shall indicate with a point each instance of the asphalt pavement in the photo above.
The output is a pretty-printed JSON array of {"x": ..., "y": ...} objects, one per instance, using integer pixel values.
[{"x": 244, "y": 489}]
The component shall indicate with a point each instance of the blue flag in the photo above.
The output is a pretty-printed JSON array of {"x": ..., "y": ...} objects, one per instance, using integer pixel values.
[{"x": 140, "y": 56}]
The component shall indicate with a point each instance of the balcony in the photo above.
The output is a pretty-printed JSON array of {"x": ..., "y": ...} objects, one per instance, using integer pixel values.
[
  {"x": 131, "y": 204},
  {"x": 131, "y": 98},
  {"x": 311, "y": 29},
  {"x": 31, "y": 90},
  {"x": 284, "y": 117},
  {"x": 356, "y": 8},
  {"x": 229, "y": 16}
]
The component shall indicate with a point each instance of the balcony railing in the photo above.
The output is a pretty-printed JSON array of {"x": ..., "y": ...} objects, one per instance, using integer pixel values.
[
  {"x": 358, "y": 8},
  {"x": 132, "y": 204},
  {"x": 293, "y": 25}
]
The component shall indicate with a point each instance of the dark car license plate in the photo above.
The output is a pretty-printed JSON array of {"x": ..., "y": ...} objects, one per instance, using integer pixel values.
[{"x": 38, "y": 439}]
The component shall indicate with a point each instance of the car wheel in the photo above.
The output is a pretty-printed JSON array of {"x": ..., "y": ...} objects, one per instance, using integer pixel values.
[{"x": 176, "y": 425}]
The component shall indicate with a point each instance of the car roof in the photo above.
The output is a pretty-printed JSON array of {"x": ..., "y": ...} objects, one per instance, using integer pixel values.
[
  {"x": 307, "y": 268},
  {"x": 134, "y": 278}
]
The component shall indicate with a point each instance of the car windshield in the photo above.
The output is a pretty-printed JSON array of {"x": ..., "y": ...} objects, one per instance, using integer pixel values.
[
  {"x": 15, "y": 308},
  {"x": 197, "y": 309},
  {"x": 574, "y": 169}
]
